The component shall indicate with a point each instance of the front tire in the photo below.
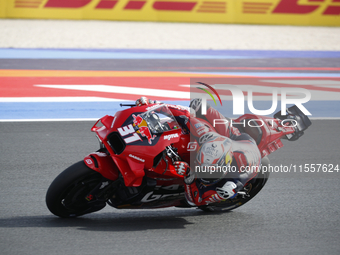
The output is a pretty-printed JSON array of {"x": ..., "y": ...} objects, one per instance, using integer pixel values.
[{"x": 66, "y": 195}]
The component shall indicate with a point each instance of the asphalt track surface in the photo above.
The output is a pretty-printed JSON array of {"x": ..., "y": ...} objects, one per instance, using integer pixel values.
[
  {"x": 294, "y": 213},
  {"x": 167, "y": 65}
]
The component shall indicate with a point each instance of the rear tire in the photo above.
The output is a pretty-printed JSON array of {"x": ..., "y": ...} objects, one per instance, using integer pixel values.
[
  {"x": 253, "y": 187},
  {"x": 66, "y": 195}
]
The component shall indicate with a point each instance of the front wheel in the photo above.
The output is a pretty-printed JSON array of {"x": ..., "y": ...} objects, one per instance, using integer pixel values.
[{"x": 67, "y": 195}]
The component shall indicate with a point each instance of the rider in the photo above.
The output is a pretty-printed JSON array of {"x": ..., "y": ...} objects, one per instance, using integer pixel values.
[{"x": 230, "y": 155}]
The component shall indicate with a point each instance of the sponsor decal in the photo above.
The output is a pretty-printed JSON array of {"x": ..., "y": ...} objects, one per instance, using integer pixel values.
[
  {"x": 137, "y": 158},
  {"x": 202, "y": 130},
  {"x": 213, "y": 7},
  {"x": 134, "y": 5},
  {"x": 260, "y": 7},
  {"x": 263, "y": 8},
  {"x": 168, "y": 137},
  {"x": 89, "y": 197},
  {"x": 152, "y": 107},
  {"x": 192, "y": 146},
  {"x": 212, "y": 150},
  {"x": 89, "y": 161},
  {"x": 256, "y": 8},
  {"x": 143, "y": 128},
  {"x": 149, "y": 197},
  {"x": 293, "y": 7},
  {"x": 198, "y": 125}
]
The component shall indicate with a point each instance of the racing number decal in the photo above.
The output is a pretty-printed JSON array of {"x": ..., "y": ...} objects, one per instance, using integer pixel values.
[{"x": 127, "y": 131}]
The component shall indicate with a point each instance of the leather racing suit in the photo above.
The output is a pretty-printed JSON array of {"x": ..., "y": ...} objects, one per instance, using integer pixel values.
[{"x": 245, "y": 155}]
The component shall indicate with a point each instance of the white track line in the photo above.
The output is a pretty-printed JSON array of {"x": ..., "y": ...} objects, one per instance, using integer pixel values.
[
  {"x": 123, "y": 90},
  {"x": 56, "y": 99},
  {"x": 95, "y": 119}
]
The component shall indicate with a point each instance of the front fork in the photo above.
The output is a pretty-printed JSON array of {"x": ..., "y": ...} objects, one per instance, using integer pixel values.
[{"x": 103, "y": 164}]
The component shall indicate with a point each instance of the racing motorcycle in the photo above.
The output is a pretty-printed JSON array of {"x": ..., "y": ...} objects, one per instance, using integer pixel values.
[{"x": 133, "y": 167}]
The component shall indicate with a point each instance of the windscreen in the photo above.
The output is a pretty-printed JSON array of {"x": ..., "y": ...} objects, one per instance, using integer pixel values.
[{"x": 158, "y": 119}]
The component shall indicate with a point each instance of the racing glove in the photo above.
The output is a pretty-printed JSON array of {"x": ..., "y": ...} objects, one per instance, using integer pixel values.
[{"x": 182, "y": 168}]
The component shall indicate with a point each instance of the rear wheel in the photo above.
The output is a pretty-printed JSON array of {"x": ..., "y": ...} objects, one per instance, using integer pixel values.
[
  {"x": 68, "y": 195},
  {"x": 250, "y": 190}
]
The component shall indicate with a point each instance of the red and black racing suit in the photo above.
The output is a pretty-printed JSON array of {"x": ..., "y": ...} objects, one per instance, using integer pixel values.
[{"x": 245, "y": 153}]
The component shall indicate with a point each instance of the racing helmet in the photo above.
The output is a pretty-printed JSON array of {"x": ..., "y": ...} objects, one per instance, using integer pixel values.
[
  {"x": 142, "y": 101},
  {"x": 215, "y": 156}
]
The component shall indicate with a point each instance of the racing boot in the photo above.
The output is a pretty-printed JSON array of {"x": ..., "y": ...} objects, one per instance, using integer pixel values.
[{"x": 229, "y": 189}]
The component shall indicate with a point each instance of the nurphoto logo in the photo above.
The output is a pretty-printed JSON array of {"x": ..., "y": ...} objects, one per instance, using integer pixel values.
[{"x": 238, "y": 99}]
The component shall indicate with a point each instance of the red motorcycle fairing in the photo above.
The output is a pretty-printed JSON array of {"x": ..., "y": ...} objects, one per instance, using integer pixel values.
[
  {"x": 169, "y": 190},
  {"x": 131, "y": 144},
  {"x": 132, "y": 171},
  {"x": 103, "y": 164}
]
